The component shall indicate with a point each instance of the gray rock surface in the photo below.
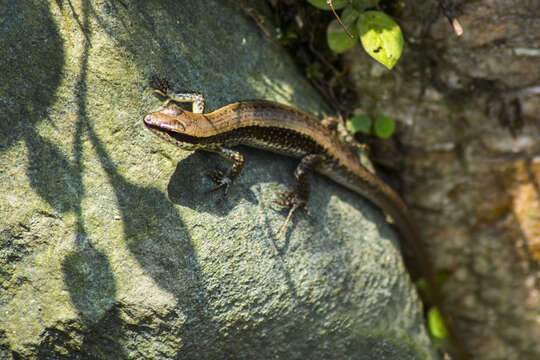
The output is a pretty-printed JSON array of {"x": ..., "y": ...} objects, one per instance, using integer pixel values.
[{"x": 109, "y": 246}]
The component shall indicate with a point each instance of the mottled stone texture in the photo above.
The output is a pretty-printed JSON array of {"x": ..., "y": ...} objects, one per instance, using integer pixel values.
[{"x": 109, "y": 246}]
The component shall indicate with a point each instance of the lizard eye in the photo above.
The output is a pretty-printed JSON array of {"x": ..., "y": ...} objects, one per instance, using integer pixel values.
[{"x": 173, "y": 110}]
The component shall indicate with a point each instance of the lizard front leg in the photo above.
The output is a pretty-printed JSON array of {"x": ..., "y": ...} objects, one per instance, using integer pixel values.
[
  {"x": 225, "y": 180},
  {"x": 163, "y": 88}
]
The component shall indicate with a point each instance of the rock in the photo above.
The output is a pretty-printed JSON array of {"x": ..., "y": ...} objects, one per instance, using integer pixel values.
[{"x": 109, "y": 245}]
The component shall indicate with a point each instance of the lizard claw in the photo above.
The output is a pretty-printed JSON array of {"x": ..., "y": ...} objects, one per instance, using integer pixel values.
[
  {"x": 289, "y": 200},
  {"x": 162, "y": 88},
  {"x": 221, "y": 180},
  {"x": 161, "y": 85}
]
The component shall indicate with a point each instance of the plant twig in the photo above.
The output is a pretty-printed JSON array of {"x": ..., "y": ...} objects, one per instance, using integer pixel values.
[
  {"x": 330, "y": 3},
  {"x": 253, "y": 14}
]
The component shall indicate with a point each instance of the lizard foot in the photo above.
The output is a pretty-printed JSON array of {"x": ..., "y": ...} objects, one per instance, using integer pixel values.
[
  {"x": 290, "y": 200},
  {"x": 162, "y": 88},
  {"x": 221, "y": 180}
]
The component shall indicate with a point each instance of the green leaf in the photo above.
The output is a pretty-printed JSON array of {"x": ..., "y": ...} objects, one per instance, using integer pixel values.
[
  {"x": 381, "y": 37},
  {"x": 436, "y": 324},
  {"x": 384, "y": 127},
  {"x": 360, "y": 122},
  {"x": 349, "y": 16},
  {"x": 338, "y": 40},
  {"x": 364, "y": 4},
  {"x": 321, "y": 4}
]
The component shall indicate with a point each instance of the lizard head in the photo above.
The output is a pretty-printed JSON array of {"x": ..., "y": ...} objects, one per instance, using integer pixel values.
[{"x": 175, "y": 125}]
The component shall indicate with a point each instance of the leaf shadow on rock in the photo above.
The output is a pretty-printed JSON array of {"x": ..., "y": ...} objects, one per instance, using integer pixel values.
[
  {"x": 31, "y": 67},
  {"x": 87, "y": 271},
  {"x": 32, "y": 70},
  {"x": 166, "y": 255}
]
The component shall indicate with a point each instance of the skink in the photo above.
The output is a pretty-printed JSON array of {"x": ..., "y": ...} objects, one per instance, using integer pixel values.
[
  {"x": 280, "y": 129},
  {"x": 284, "y": 130}
]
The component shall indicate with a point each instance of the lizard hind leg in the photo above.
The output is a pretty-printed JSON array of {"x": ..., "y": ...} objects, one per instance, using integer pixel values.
[
  {"x": 293, "y": 202},
  {"x": 287, "y": 220},
  {"x": 336, "y": 125},
  {"x": 300, "y": 197}
]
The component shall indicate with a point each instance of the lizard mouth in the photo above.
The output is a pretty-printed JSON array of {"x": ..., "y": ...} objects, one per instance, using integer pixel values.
[
  {"x": 168, "y": 133},
  {"x": 157, "y": 128},
  {"x": 147, "y": 120},
  {"x": 150, "y": 122}
]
